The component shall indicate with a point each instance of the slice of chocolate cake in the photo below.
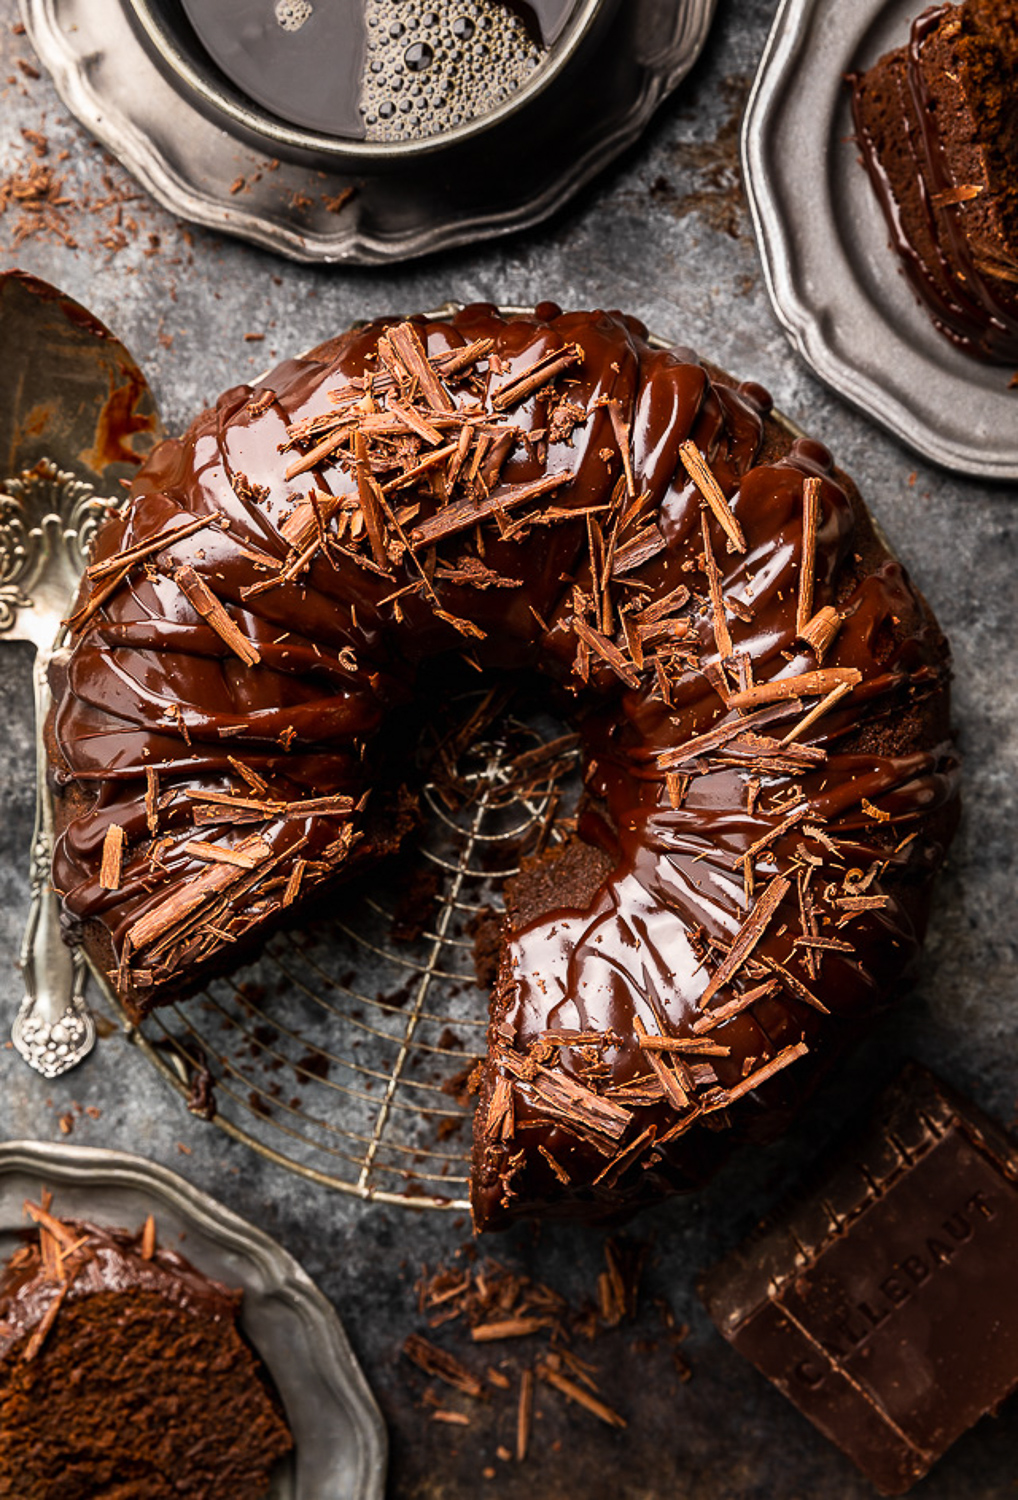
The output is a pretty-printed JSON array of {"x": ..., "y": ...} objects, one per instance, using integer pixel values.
[
  {"x": 937, "y": 121},
  {"x": 123, "y": 1374}
]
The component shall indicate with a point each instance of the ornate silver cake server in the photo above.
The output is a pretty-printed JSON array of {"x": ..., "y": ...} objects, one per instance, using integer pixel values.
[
  {"x": 76, "y": 416},
  {"x": 43, "y": 513}
]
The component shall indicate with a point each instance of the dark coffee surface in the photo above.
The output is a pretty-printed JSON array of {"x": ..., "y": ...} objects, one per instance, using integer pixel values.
[
  {"x": 356, "y": 68},
  {"x": 308, "y": 71}
]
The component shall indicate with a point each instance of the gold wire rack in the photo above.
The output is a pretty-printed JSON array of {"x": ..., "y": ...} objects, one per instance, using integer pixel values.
[{"x": 344, "y": 1051}]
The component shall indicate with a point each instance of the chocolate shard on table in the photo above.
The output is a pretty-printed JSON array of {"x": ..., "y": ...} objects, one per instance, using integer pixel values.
[{"x": 883, "y": 1303}]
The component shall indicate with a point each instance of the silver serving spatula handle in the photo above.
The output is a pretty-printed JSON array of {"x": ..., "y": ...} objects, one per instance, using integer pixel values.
[
  {"x": 99, "y": 423},
  {"x": 53, "y": 1029},
  {"x": 46, "y": 518}
]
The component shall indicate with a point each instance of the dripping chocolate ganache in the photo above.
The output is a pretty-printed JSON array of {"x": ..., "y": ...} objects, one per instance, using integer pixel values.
[{"x": 761, "y": 695}]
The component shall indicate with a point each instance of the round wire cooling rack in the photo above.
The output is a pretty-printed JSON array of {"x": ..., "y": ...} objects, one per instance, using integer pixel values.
[{"x": 344, "y": 1051}]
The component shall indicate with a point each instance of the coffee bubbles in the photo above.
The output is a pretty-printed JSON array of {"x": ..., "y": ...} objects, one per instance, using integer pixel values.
[
  {"x": 431, "y": 65},
  {"x": 378, "y": 70}
]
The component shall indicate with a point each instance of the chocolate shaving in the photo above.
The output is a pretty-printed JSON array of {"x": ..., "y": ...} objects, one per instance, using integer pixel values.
[
  {"x": 442, "y": 1365},
  {"x": 790, "y": 982},
  {"x": 746, "y": 939},
  {"x": 220, "y": 854},
  {"x": 578, "y": 1108},
  {"x": 498, "y": 1124},
  {"x": 607, "y": 651},
  {"x": 684, "y": 1044},
  {"x": 336, "y": 804},
  {"x": 819, "y": 632},
  {"x": 862, "y": 903},
  {"x": 638, "y": 550},
  {"x": 293, "y": 883},
  {"x": 508, "y": 1328},
  {"x": 664, "y": 606},
  {"x": 44, "y": 1325},
  {"x": 780, "y": 1060},
  {"x": 713, "y": 739},
  {"x": 524, "y": 1414},
  {"x": 188, "y": 899},
  {"x": 148, "y": 1238},
  {"x": 722, "y": 636},
  {"x": 803, "y": 685},
  {"x": 302, "y": 523},
  {"x": 211, "y": 610},
  {"x": 964, "y": 193},
  {"x": 52, "y": 1225},
  {"x": 541, "y": 373},
  {"x": 574, "y": 1392},
  {"x": 453, "y": 519},
  {"x": 613, "y": 1170},
  {"x": 157, "y": 543},
  {"x": 470, "y": 572},
  {"x": 622, "y": 437},
  {"x": 314, "y": 456},
  {"x": 700, "y": 473},
  {"x": 666, "y": 1076},
  {"x": 152, "y": 800},
  {"x": 777, "y": 832},
  {"x": 370, "y": 498},
  {"x": 112, "y": 858},
  {"x": 807, "y": 574},
  {"x": 817, "y": 712},
  {"x": 406, "y": 342},
  {"x": 556, "y": 1165}
]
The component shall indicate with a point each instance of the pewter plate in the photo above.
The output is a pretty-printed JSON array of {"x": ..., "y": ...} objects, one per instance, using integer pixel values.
[
  {"x": 340, "y": 1443},
  {"x": 832, "y": 276},
  {"x": 525, "y": 167}
]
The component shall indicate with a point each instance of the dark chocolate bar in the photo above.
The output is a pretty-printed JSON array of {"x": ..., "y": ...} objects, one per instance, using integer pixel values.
[{"x": 884, "y": 1304}]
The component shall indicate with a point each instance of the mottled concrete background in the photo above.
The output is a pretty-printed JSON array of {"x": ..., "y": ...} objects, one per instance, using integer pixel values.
[{"x": 666, "y": 235}]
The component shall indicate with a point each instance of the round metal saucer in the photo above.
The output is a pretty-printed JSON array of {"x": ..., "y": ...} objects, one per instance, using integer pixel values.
[
  {"x": 339, "y": 1437},
  {"x": 833, "y": 279},
  {"x": 209, "y": 159}
]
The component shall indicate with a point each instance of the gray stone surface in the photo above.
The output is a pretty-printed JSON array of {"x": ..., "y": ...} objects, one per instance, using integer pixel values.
[{"x": 665, "y": 235}]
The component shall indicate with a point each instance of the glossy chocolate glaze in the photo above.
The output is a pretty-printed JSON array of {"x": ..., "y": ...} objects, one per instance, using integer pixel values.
[
  {"x": 150, "y": 685},
  {"x": 976, "y": 310},
  {"x": 105, "y": 1260}
]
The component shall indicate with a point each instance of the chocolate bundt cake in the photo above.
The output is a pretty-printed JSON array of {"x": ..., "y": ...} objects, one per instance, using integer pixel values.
[
  {"x": 937, "y": 121},
  {"x": 123, "y": 1374},
  {"x": 761, "y": 695}
]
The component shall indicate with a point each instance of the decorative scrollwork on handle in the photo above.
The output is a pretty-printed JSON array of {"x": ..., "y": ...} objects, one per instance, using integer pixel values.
[{"x": 48, "y": 518}]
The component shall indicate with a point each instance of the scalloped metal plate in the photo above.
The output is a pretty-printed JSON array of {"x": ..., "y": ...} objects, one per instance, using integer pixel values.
[
  {"x": 190, "y": 162},
  {"x": 340, "y": 1441},
  {"x": 833, "y": 279}
]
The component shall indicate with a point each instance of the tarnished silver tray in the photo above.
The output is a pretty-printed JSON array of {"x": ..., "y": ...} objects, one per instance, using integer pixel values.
[
  {"x": 833, "y": 279},
  {"x": 207, "y": 162},
  {"x": 339, "y": 1436}
]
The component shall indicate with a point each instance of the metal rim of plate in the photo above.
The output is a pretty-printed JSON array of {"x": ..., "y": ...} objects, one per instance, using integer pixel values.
[
  {"x": 302, "y": 1011},
  {"x": 190, "y": 162},
  {"x": 833, "y": 279},
  {"x": 327, "y": 1399}
]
